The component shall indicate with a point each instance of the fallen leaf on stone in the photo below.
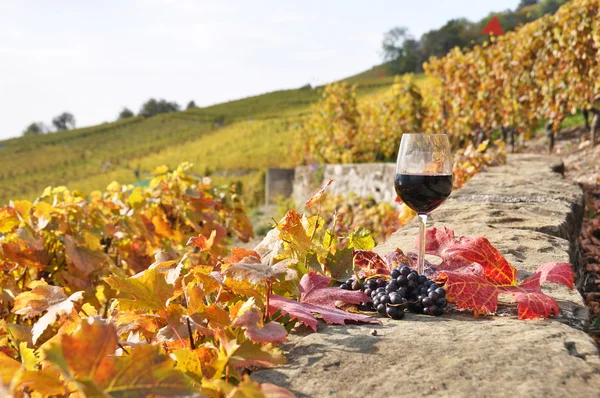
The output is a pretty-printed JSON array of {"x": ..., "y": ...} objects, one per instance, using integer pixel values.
[
  {"x": 475, "y": 274},
  {"x": 318, "y": 297}
]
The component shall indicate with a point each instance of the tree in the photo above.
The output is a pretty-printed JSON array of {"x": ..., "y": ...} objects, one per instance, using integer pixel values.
[
  {"x": 402, "y": 51},
  {"x": 549, "y": 6},
  {"x": 153, "y": 107},
  {"x": 35, "y": 128},
  {"x": 527, "y": 3},
  {"x": 191, "y": 105},
  {"x": 125, "y": 113},
  {"x": 64, "y": 121}
]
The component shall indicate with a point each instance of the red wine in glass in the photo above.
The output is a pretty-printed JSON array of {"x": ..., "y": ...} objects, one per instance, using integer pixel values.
[
  {"x": 423, "y": 178},
  {"x": 423, "y": 192}
]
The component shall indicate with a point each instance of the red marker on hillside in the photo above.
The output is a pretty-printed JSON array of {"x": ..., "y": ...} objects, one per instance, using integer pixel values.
[{"x": 493, "y": 28}]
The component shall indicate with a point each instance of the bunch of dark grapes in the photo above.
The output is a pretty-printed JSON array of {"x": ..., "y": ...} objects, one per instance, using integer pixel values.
[{"x": 406, "y": 290}]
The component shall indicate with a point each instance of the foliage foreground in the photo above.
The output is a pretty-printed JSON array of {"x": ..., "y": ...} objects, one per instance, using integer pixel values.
[{"x": 85, "y": 311}]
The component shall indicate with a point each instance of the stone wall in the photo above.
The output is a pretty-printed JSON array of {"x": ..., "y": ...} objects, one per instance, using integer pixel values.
[
  {"x": 533, "y": 216},
  {"x": 364, "y": 180},
  {"x": 278, "y": 182}
]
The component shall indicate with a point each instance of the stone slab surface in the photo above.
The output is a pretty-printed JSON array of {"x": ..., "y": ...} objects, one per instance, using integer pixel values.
[
  {"x": 457, "y": 356},
  {"x": 532, "y": 216}
]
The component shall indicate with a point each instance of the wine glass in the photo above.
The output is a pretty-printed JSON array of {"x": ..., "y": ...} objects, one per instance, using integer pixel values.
[{"x": 423, "y": 178}]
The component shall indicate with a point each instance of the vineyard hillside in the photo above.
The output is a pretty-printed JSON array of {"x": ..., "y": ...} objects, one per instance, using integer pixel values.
[{"x": 233, "y": 141}]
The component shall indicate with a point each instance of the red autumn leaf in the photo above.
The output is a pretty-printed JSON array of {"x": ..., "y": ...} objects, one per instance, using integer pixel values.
[
  {"x": 368, "y": 263},
  {"x": 318, "y": 297},
  {"x": 459, "y": 253},
  {"x": 475, "y": 273},
  {"x": 201, "y": 242},
  {"x": 316, "y": 197}
]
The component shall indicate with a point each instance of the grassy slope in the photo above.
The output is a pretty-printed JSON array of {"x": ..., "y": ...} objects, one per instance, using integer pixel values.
[{"x": 257, "y": 133}]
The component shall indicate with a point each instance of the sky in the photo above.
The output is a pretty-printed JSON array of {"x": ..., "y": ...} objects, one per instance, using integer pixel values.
[{"x": 92, "y": 58}]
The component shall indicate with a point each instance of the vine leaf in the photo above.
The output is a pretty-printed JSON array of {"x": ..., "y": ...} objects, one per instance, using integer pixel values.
[
  {"x": 293, "y": 234},
  {"x": 367, "y": 263},
  {"x": 254, "y": 271},
  {"x": 475, "y": 274},
  {"x": 44, "y": 297},
  {"x": 201, "y": 242},
  {"x": 316, "y": 197},
  {"x": 461, "y": 252},
  {"x": 85, "y": 359},
  {"x": 149, "y": 291},
  {"x": 318, "y": 297},
  {"x": 251, "y": 319},
  {"x": 8, "y": 367}
]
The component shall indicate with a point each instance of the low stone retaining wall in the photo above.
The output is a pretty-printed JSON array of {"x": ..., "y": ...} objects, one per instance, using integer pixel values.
[
  {"x": 533, "y": 216},
  {"x": 364, "y": 180}
]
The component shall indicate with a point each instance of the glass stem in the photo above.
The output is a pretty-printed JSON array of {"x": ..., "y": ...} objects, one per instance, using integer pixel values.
[{"x": 421, "y": 259}]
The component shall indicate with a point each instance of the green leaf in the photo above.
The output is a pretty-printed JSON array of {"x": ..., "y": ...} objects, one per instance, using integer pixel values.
[{"x": 360, "y": 239}]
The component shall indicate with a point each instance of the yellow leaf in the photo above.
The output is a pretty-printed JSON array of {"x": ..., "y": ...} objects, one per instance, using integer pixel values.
[
  {"x": 136, "y": 197},
  {"x": 43, "y": 209},
  {"x": 161, "y": 170},
  {"x": 8, "y": 367},
  {"x": 92, "y": 241},
  {"x": 162, "y": 227},
  {"x": 23, "y": 207},
  {"x": 28, "y": 357},
  {"x": 8, "y": 219},
  {"x": 45, "y": 382}
]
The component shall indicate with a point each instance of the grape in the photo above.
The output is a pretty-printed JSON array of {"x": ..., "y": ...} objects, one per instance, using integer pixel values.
[
  {"x": 395, "y": 298},
  {"x": 434, "y": 296},
  {"x": 442, "y": 302},
  {"x": 391, "y": 288},
  {"x": 427, "y": 302},
  {"x": 395, "y": 312},
  {"x": 401, "y": 281},
  {"x": 406, "y": 290},
  {"x": 349, "y": 282},
  {"x": 436, "y": 311},
  {"x": 356, "y": 285},
  {"x": 372, "y": 283},
  {"x": 432, "y": 287},
  {"x": 344, "y": 287},
  {"x": 417, "y": 308}
]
